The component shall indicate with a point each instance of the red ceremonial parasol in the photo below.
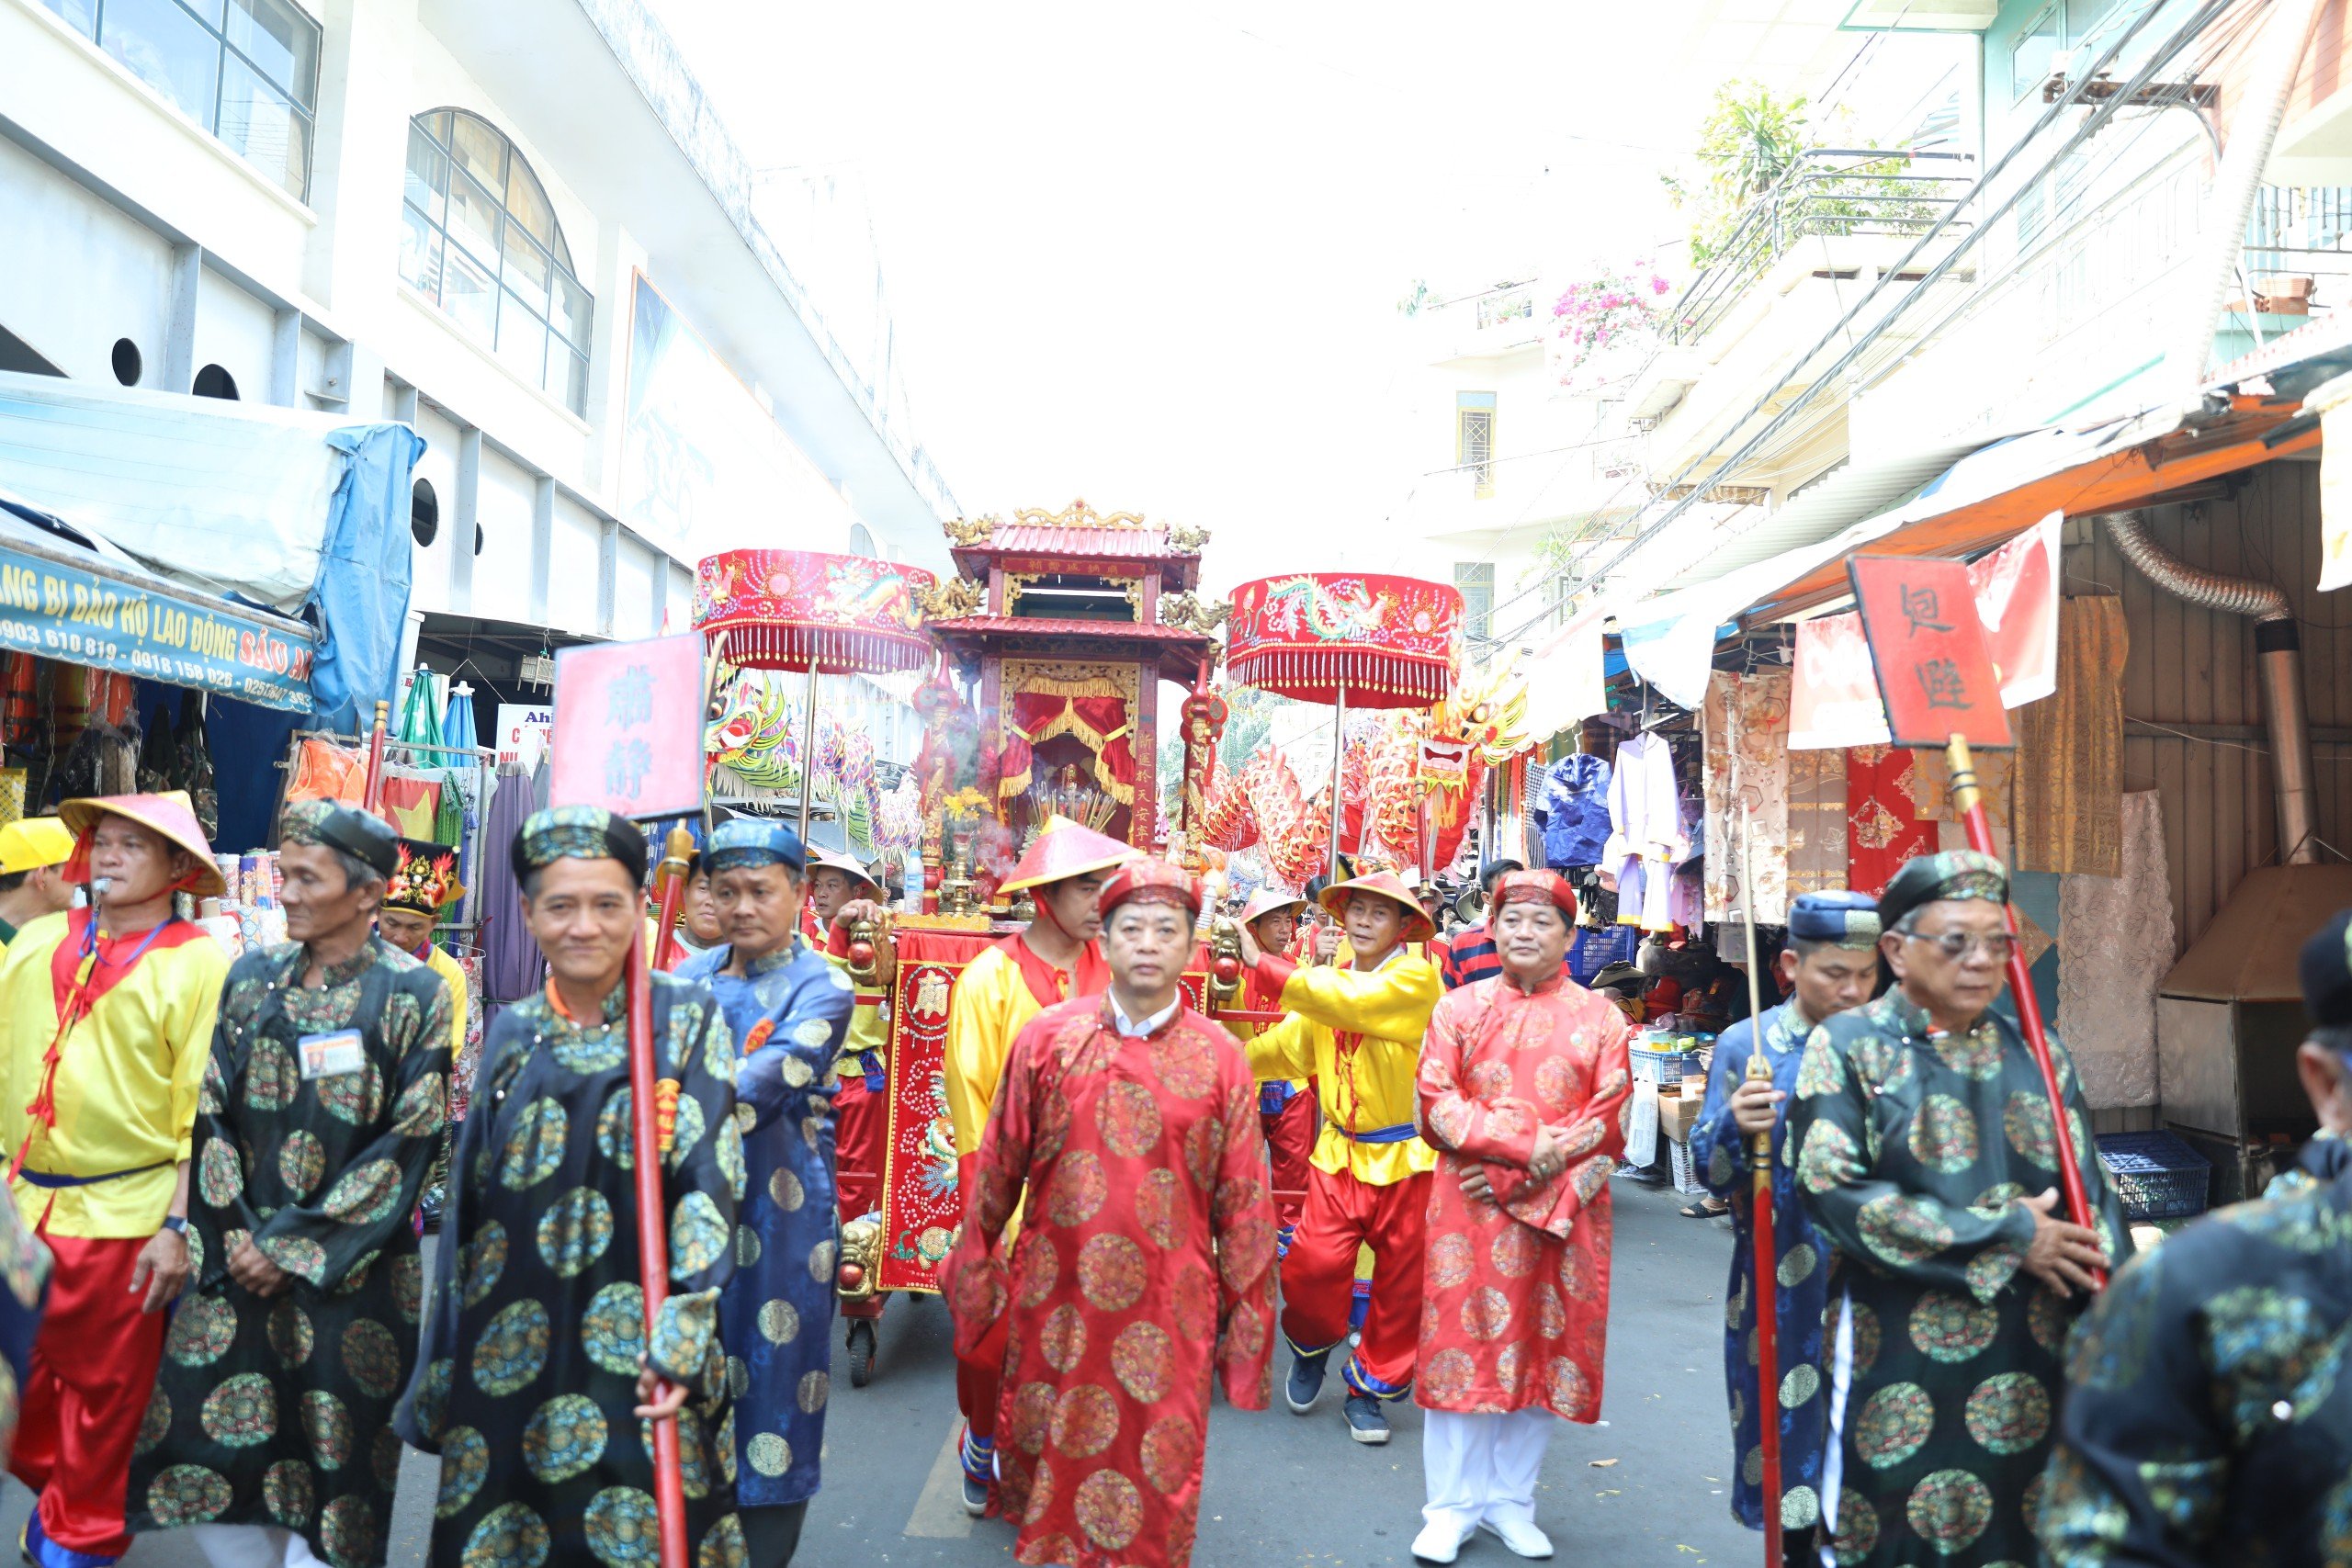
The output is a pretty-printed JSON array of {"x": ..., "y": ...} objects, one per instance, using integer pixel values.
[
  {"x": 1320, "y": 636},
  {"x": 807, "y": 610}
]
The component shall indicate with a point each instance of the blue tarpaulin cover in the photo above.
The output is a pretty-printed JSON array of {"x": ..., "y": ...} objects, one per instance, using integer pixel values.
[{"x": 360, "y": 596}]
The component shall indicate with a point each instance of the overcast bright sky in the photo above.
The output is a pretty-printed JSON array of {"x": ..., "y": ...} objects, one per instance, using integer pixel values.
[{"x": 1152, "y": 257}]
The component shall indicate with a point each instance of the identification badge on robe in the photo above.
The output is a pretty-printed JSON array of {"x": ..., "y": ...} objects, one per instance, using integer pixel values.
[{"x": 330, "y": 1055}]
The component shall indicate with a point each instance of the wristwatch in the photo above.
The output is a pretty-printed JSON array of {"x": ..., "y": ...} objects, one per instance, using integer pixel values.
[{"x": 175, "y": 1222}]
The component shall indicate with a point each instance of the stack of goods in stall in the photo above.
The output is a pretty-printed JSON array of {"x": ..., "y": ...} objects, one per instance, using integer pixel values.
[
  {"x": 248, "y": 914},
  {"x": 1674, "y": 1064}
]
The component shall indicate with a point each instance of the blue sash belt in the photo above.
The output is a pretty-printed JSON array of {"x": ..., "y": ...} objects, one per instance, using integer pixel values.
[
  {"x": 870, "y": 1067},
  {"x": 43, "y": 1179},
  {"x": 1274, "y": 1096},
  {"x": 1401, "y": 1132}
]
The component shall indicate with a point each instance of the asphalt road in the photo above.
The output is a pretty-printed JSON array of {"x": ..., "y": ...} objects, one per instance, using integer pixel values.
[{"x": 1645, "y": 1486}]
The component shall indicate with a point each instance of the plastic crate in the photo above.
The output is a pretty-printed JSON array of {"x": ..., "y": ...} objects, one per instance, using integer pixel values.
[
  {"x": 2156, "y": 1175},
  {"x": 1686, "y": 1168},
  {"x": 1664, "y": 1068}
]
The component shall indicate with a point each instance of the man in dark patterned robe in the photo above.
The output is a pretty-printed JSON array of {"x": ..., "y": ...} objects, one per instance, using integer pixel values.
[
  {"x": 538, "y": 1381},
  {"x": 2208, "y": 1420},
  {"x": 1927, "y": 1153},
  {"x": 270, "y": 1428}
]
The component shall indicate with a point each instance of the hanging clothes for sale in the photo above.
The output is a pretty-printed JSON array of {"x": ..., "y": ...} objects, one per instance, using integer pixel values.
[
  {"x": 511, "y": 964},
  {"x": 1745, "y": 720},
  {"x": 1883, "y": 826},
  {"x": 1644, "y": 832},
  {"x": 1571, "y": 806}
]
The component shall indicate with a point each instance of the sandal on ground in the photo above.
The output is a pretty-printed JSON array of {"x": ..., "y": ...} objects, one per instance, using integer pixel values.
[{"x": 1707, "y": 1208}]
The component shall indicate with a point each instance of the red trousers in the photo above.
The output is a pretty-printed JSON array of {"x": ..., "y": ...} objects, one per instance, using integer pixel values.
[
  {"x": 93, "y": 1370},
  {"x": 1319, "y": 1277},
  {"x": 980, "y": 1379},
  {"x": 860, "y": 1123},
  {"x": 1290, "y": 1138}
]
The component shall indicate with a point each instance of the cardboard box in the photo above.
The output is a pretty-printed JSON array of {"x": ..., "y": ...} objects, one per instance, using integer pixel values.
[{"x": 1677, "y": 1114}]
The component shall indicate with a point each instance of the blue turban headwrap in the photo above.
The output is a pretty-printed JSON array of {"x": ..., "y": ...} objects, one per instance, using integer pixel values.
[
  {"x": 750, "y": 841},
  {"x": 1846, "y": 919}
]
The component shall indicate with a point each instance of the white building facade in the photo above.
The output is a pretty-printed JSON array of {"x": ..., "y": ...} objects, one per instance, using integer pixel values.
[{"x": 518, "y": 226}]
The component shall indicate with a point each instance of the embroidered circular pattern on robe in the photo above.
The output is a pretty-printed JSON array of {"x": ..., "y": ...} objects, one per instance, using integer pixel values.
[
  {"x": 1446, "y": 1376},
  {"x": 1128, "y": 1120},
  {"x": 1050, "y": 1135},
  {"x": 727, "y": 1150},
  {"x": 779, "y": 1322},
  {"x": 686, "y": 1133},
  {"x": 480, "y": 1261},
  {"x": 1179, "y": 1062},
  {"x": 1799, "y": 1508},
  {"x": 2047, "y": 1319},
  {"x": 201, "y": 1331},
  {"x": 1247, "y": 1330},
  {"x": 1086, "y": 1419},
  {"x": 1143, "y": 1359},
  {"x": 1041, "y": 1498},
  {"x": 1566, "y": 1389},
  {"x": 1033, "y": 1412},
  {"x": 1508, "y": 1365},
  {"x": 384, "y": 1459},
  {"x": 354, "y": 1097},
  {"x": 348, "y": 1529},
  {"x": 622, "y": 1528},
  {"x": 1884, "y": 1065},
  {"x": 1516, "y": 1251},
  {"x": 822, "y": 1258},
  {"x": 1901, "y": 1229},
  {"x": 513, "y": 1348},
  {"x": 327, "y": 1425},
  {"x": 1856, "y": 1534},
  {"x": 1943, "y": 1135},
  {"x": 1550, "y": 1312},
  {"x": 1192, "y": 1303},
  {"x": 1109, "y": 1509},
  {"x": 1063, "y": 1339},
  {"x": 509, "y": 1536},
  {"x": 601, "y": 1051},
  {"x": 156, "y": 1424},
  {"x": 366, "y": 1194},
  {"x": 240, "y": 1412},
  {"x": 724, "y": 1546},
  {"x": 1797, "y": 1266},
  {"x": 1827, "y": 1158},
  {"x": 698, "y": 1236},
  {"x": 1951, "y": 1328},
  {"x": 1866, "y": 1338},
  {"x": 1556, "y": 1082},
  {"x": 1203, "y": 1146},
  {"x": 1802, "y": 1383},
  {"x": 769, "y": 1454},
  {"x": 564, "y": 1437},
  {"x": 784, "y": 1188},
  {"x": 286, "y": 1491},
  {"x": 1490, "y": 1079},
  {"x": 1949, "y": 1509},
  {"x": 616, "y": 1135},
  {"x": 1894, "y": 1422},
  {"x": 815, "y": 1389},
  {"x": 1579, "y": 1275},
  {"x": 432, "y": 1391},
  {"x": 1821, "y": 1070},
  {"x": 1078, "y": 1189},
  {"x": 1110, "y": 1273},
  {"x": 408, "y": 1287},
  {"x": 221, "y": 1176},
  {"x": 372, "y": 1357},
  {"x": 1486, "y": 1314},
  {"x": 188, "y": 1494},
  {"x": 534, "y": 1150},
  {"x": 1171, "y": 1447},
  {"x": 2008, "y": 1413},
  {"x": 421, "y": 1107},
  {"x": 575, "y": 1230},
  {"x": 1975, "y": 1054},
  {"x": 1450, "y": 1259},
  {"x": 2031, "y": 1129},
  {"x": 1036, "y": 1267},
  {"x": 271, "y": 1079}
]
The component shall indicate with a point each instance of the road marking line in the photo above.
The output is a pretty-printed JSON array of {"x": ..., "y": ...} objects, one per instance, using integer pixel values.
[{"x": 939, "y": 1513}]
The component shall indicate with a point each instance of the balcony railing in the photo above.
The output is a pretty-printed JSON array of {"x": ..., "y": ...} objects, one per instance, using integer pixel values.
[{"x": 1831, "y": 191}]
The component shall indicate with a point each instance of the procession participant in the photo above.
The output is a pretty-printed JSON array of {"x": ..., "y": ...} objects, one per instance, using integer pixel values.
[
  {"x": 33, "y": 853},
  {"x": 536, "y": 1382},
  {"x": 1357, "y": 1032},
  {"x": 108, "y": 1014},
  {"x": 1469, "y": 954},
  {"x": 1130, "y": 1122},
  {"x": 423, "y": 882},
  {"x": 1926, "y": 1155},
  {"x": 790, "y": 1010},
  {"x": 1053, "y": 960},
  {"x": 698, "y": 926},
  {"x": 1828, "y": 966},
  {"x": 320, "y": 1113},
  {"x": 842, "y": 892},
  {"x": 1522, "y": 1079},
  {"x": 2200, "y": 1423},
  {"x": 1286, "y": 1111}
]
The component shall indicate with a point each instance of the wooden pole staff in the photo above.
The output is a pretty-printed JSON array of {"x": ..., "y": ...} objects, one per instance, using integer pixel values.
[
  {"x": 372, "y": 789},
  {"x": 653, "y": 1241},
  {"x": 669, "y": 889},
  {"x": 1970, "y": 802},
  {"x": 1765, "y": 1265}
]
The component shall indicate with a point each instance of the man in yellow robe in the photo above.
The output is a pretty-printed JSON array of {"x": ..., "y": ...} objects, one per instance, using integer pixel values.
[
  {"x": 109, "y": 1015},
  {"x": 1055, "y": 958},
  {"x": 1357, "y": 1030},
  {"x": 33, "y": 852}
]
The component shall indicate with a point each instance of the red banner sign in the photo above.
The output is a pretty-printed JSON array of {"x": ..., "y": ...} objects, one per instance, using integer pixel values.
[
  {"x": 1935, "y": 671},
  {"x": 629, "y": 726}
]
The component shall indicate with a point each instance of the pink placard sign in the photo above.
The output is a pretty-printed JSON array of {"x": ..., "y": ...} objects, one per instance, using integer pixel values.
[{"x": 629, "y": 726}]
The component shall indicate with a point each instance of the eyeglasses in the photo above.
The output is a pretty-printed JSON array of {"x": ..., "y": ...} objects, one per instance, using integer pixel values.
[{"x": 1958, "y": 946}]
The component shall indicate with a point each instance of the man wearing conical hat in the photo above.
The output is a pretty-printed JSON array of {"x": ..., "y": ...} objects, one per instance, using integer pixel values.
[
  {"x": 1286, "y": 1112},
  {"x": 108, "y": 1013},
  {"x": 842, "y": 891},
  {"x": 1357, "y": 1032},
  {"x": 1053, "y": 960},
  {"x": 33, "y": 853}
]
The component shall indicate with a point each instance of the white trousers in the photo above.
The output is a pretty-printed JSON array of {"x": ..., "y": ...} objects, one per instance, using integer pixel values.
[
  {"x": 253, "y": 1546},
  {"x": 1483, "y": 1467}
]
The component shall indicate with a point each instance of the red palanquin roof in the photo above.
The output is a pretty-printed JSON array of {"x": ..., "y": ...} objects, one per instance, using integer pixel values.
[{"x": 1081, "y": 540}]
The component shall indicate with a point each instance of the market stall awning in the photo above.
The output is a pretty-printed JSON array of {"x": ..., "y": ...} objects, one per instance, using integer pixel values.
[{"x": 69, "y": 593}]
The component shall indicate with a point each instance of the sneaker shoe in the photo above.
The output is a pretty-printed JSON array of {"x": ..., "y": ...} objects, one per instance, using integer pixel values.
[
  {"x": 1367, "y": 1423},
  {"x": 1305, "y": 1385},
  {"x": 1438, "y": 1542},
  {"x": 1519, "y": 1536}
]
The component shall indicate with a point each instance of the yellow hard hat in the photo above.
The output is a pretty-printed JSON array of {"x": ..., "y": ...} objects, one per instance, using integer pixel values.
[{"x": 31, "y": 843}]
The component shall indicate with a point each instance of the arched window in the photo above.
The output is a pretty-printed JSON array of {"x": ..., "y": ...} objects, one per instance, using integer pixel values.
[{"x": 478, "y": 238}]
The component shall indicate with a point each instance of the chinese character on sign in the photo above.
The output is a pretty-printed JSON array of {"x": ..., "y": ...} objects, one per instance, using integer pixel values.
[
  {"x": 629, "y": 700},
  {"x": 627, "y": 731},
  {"x": 625, "y": 766},
  {"x": 1919, "y": 609},
  {"x": 1943, "y": 685}
]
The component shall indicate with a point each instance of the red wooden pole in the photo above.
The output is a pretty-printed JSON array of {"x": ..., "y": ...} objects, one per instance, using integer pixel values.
[
  {"x": 654, "y": 1242},
  {"x": 1765, "y": 1266},
  {"x": 669, "y": 890},
  {"x": 372, "y": 790},
  {"x": 1970, "y": 801}
]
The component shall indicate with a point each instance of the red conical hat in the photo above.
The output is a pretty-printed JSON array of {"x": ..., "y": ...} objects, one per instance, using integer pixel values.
[
  {"x": 1065, "y": 850},
  {"x": 847, "y": 866},
  {"x": 169, "y": 813},
  {"x": 1388, "y": 884}
]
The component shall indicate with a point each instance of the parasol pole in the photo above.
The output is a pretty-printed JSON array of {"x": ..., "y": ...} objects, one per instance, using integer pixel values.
[
  {"x": 1970, "y": 802},
  {"x": 372, "y": 790},
  {"x": 1338, "y": 753},
  {"x": 654, "y": 1240},
  {"x": 669, "y": 890},
  {"x": 807, "y": 751},
  {"x": 1766, "y": 1263}
]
